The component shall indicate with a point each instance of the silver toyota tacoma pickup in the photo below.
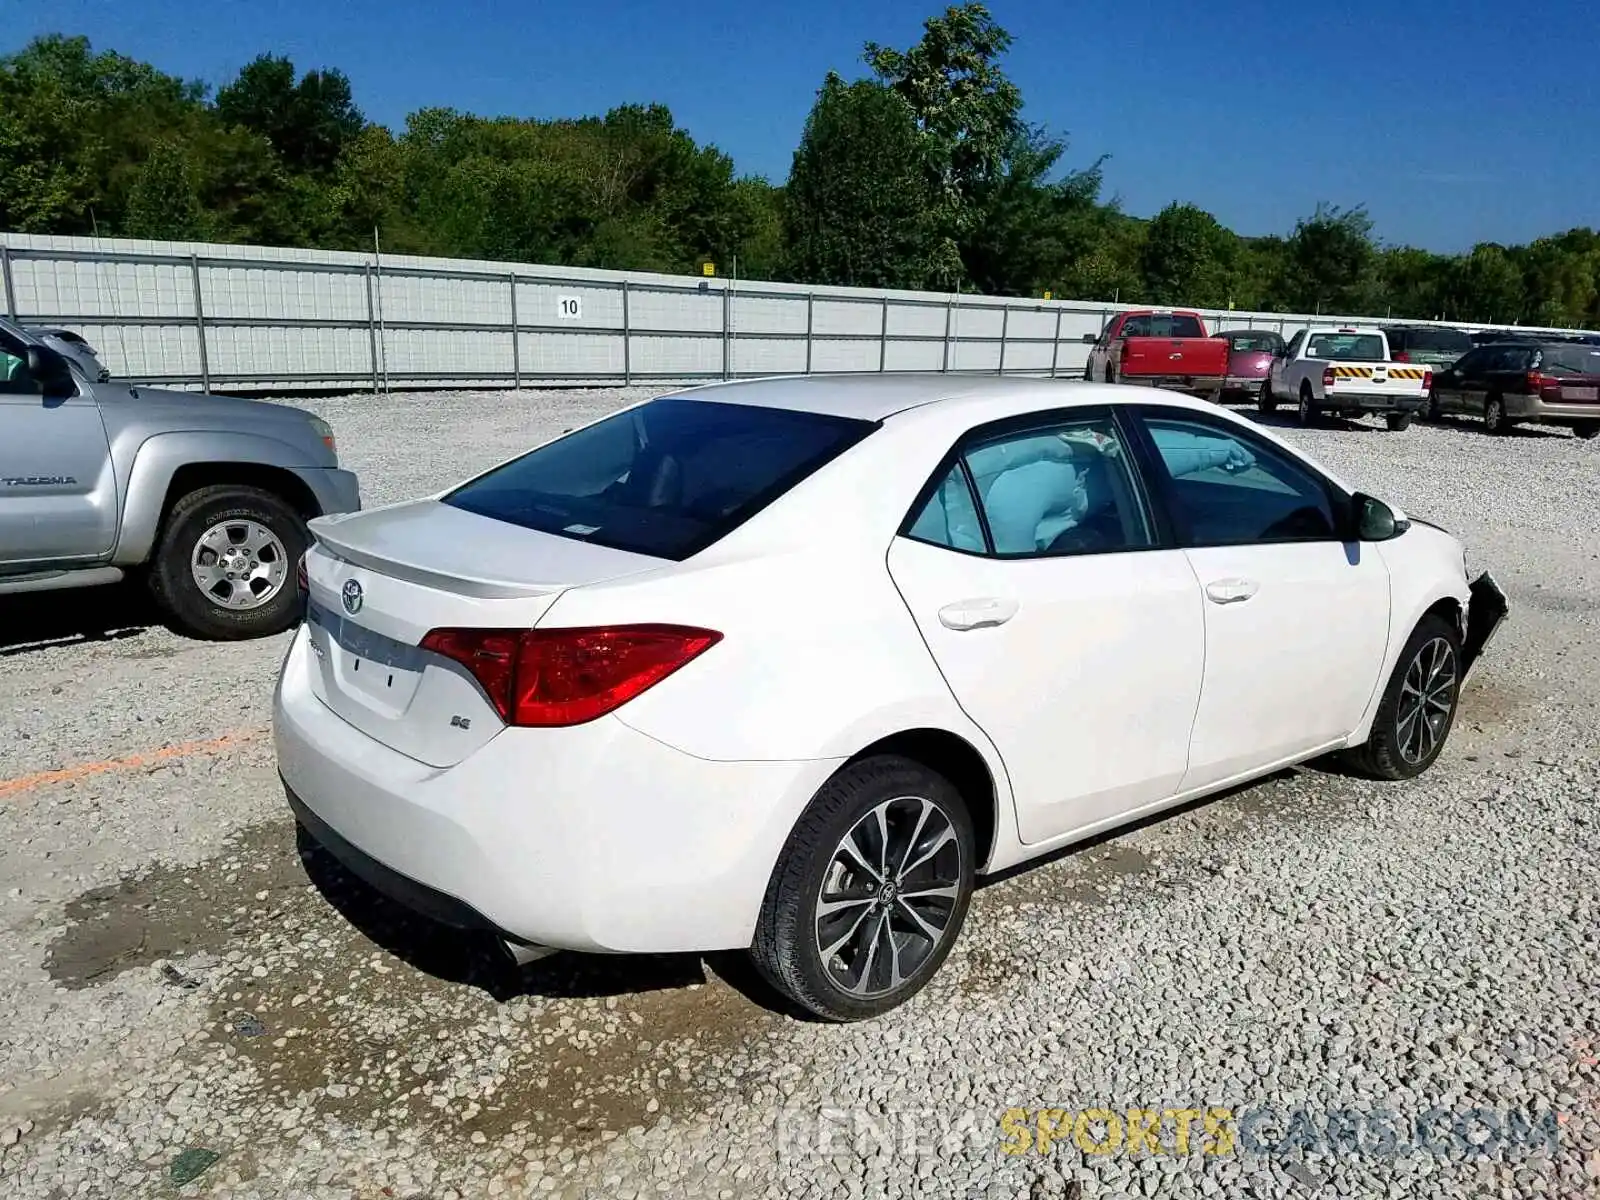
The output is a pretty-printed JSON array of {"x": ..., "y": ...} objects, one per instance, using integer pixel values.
[{"x": 206, "y": 497}]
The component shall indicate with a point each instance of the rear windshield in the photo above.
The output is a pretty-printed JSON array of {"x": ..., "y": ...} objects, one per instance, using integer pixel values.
[
  {"x": 1167, "y": 325},
  {"x": 1265, "y": 343},
  {"x": 666, "y": 479},
  {"x": 1437, "y": 341},
  {"x": 1347, "y": 347},
  {"x": 1570, "y": 360}
]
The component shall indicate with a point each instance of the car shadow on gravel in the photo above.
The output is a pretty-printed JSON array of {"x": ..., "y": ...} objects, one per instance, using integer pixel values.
[
  {"x": 1289, "y": 420},
  {"x": 479, "y": 960},
  {"x": 42, "y": 620}
]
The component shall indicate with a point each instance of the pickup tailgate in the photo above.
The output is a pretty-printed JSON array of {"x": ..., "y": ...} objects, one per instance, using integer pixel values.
[
  {"x": 1402, "y": 380},
  {"x": 380, "y": 580},
  {"x": 1191, "y": 358}
]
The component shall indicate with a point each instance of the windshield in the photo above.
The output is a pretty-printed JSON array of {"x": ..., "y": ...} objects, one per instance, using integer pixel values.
[
  {"x": 1176, "y": 326},
  {"x": 1265, "y": 343},
  {"x": 667, "y": 478},
  {"x": 1347, "y": 347},
  {"x": 1437, "y": 341},
  {"x": 1570, "y": 360}
]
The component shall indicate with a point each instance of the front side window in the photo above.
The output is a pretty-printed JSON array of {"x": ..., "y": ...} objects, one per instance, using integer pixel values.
[
  {"x": 15, "y": 378},
  {"x": 666, "y": 479},
  {"x": 1225, "y": 488},
  {"x": 1061, "y": 488}
]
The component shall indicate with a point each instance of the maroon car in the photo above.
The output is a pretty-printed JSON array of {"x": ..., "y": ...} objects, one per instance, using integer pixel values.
[{"x": 1250, "y": 354}]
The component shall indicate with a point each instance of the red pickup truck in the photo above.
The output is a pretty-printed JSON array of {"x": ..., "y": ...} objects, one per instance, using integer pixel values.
[{"x": 1159, "y": 348}]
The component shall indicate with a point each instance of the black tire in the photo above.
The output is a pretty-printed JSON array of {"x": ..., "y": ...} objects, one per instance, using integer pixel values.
[
  {"x": 1495, "y": 420},
  {"x": 788, "y": 948},
  {"x": 1397, "y": 422},
  {"x": 1398, "y": 747},
  {"x": 1310, "y": 414},
  {"x": 1434, "y": 413},
  {"x": 1586, "y": 429},
  {"x": 1111, "y": 376},
  {"x": 1266, "y": 401},
  {"x": 180, "y": 596}
]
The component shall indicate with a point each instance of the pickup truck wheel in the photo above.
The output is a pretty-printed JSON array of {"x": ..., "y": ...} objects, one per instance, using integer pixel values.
[
  {"x": 1397, "y": 421},
  {"x": 1266, "y": 401},
  {"x": 1434, "y": 413},
  {"x": 1309, "y": 412},
  {"x": 224, "y": 567},
  {"x": 1494, "y": 416},
  {"x": 1110, "y": 375}
]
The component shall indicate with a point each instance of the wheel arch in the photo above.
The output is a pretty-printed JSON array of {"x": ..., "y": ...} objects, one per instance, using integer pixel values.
[
  {"x": 169, "y": 466},
  {"x": 958, "y": 760}
]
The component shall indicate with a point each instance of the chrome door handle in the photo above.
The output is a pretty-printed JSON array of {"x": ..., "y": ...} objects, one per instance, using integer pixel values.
[
  {"x": 977, "y": 614},
  {"x": 1231, "y": 591}
]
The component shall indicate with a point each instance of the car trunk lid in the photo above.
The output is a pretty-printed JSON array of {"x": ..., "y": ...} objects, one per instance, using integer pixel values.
[{"x": 380, "y": 580}]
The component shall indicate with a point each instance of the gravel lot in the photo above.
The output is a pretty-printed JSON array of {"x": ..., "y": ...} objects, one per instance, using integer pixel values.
[{"x": 185, "y": 992}]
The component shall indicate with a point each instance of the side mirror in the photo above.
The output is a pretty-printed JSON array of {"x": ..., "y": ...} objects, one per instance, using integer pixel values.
[
  {"x": 1375, "y": 520},
  {"x": 1090, "y": 339},
  {"x": 51, "y": 372}
]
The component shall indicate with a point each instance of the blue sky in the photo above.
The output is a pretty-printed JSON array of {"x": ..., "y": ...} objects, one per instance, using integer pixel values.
[{"x": 1475, "y": 123}]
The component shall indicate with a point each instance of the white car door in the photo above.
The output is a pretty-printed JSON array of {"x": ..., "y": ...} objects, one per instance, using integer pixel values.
[
  {"x": 1073, "y": 641},
  {"x": 1297, "y": 619}
]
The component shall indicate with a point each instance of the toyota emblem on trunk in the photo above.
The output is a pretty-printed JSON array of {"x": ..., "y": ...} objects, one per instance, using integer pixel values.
[{"x": 351, "y": 592}]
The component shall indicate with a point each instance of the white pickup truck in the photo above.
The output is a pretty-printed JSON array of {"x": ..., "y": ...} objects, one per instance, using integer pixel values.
[{"x": 1347, "y": 372}]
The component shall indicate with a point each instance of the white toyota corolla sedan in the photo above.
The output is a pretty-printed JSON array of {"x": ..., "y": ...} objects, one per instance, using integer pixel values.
[{"x": 785, "y": 664}]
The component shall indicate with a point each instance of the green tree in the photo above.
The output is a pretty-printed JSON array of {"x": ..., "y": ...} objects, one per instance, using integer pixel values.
[
  {"x": 1486, "y": 285},
  {"x": 975, "y": 144},
  {"x": 1415, "y": 282},
  {"x": 308, "y": 123},
  {"x": 859, "y": 208},
  {"x": 1188, "y": 258},
  {"x": 1331, "y": 262},
  {"x": 163, "y": 202}
]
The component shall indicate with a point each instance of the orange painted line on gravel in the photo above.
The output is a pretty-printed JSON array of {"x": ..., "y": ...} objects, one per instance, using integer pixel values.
[{"x": 39, "y": 779}]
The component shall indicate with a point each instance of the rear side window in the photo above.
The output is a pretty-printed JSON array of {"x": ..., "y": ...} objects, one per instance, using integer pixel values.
[
  {"x": 666, "y": 479},
  {"x": 1055, "y": 489}
]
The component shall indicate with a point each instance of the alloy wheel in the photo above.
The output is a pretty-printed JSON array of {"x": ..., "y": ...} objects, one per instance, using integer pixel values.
[
  {"x": 239, "y": 564},
  {"x": 1427, "y": 700},
  {"x": 887, "y": 896}
]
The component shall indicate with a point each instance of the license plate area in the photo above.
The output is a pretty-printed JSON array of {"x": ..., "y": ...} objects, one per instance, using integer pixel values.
[
  {"x": 1580, "y": 393},
  {"x": 361, "y": 663}
]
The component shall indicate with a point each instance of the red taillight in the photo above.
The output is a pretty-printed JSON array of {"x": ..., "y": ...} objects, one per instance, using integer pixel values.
[
  {"x": 569, "y": 676},
  {"x": 1327, "y": 377},
  {"x": 1427, "y": 381},
  {"x": 1536, "y": 381},
  {"x": 1125, "y": 352},
  {"x": 1403, "y": 356}
]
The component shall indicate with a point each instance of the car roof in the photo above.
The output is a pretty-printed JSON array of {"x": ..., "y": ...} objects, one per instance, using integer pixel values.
[{"x": 874, "y": 397}]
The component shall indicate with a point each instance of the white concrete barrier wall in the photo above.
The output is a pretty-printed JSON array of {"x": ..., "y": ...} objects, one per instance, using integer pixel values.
[{"x": 255, "y": 318}]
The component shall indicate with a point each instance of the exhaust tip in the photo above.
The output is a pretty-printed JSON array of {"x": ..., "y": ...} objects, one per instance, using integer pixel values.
[{"x": 522, "y": 953}]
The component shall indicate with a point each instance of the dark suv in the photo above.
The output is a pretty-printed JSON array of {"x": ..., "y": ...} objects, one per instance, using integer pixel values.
[
  {"x": 1427, "y": 345},
  {"x": 1552, "y": 383}
]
